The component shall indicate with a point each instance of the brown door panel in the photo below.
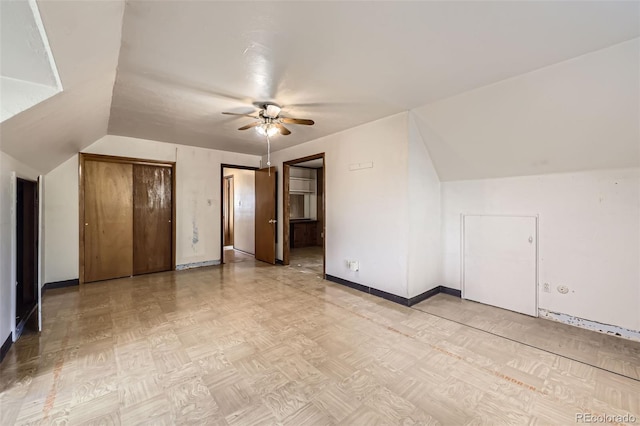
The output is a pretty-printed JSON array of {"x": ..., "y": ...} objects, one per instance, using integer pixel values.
[
  {"x": 266, "y": 215},
  {"x": 108, "y": 216},
  {"x": 152, "y": 212}
]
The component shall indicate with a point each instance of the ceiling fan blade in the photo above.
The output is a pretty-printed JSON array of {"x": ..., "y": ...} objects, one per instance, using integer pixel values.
[
  {"x": 297, "y": 121},
  {"x": 283, "y": 129},
  {"x": 248, "y": 126},
  {"x": 243, "y": 115}
]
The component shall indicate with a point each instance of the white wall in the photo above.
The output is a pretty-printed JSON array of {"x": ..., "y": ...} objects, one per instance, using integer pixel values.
[
  {"x": 197, "y": 200},
  {"x": 589, "y": 236},
  {"x": 425, "y": 243},
  {"x": 366, "y": 209},
  {"x": 61, "y": 222},
  {"x": 244, "y": 209},
  {"x": 7, "y": 165}
]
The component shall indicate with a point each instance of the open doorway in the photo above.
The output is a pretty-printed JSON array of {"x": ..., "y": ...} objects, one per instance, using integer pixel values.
[
  {"x": 304, "y": 213},
  {"x": 237, "y": 213},
  {"x": 27, "y": 270}
]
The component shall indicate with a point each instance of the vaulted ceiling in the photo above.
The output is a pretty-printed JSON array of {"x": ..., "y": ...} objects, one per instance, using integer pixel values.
[{"x": 166, "y": 70}]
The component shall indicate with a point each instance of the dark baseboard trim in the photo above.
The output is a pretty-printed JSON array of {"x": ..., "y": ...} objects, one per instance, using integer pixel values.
[
  {"x": 60, "y": 284},
  {"x": 347, "y": 283},
  {"x": 450, "y": 291},
  {"x": 392, "y": 297},
  {"x": 5, "y": 347},
  {"x": 424, "y": 296}
]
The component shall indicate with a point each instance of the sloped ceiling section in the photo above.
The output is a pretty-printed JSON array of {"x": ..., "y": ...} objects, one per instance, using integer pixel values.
[
  {"x": 85, "y": 41},
  {"x": 339, "y": 63},
  {"x": 580, "y": 114}
]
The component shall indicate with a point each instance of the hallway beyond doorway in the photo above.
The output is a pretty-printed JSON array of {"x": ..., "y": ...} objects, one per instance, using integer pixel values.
[
  {"x": 234, "y": 256},
  {"x": 307, "y": 258}
]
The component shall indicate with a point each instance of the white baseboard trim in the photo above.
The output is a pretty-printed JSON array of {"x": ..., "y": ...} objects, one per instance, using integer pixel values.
[
  {"x": 197, "y": 265},
  {"x": 590, "y": 325}
]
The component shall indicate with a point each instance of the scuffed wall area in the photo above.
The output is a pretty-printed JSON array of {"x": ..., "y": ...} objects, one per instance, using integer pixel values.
[
  {"x": 588, "y": 237},
  {"x": 197, "y": 201}
]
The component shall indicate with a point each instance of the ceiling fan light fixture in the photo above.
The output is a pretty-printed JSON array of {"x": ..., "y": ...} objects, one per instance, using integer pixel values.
[
  {"x": 272, "y": 110},
  {"x": 267, "y": 129}
]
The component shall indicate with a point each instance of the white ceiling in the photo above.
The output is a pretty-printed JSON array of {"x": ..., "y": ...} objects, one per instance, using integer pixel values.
[
  {"x": 181, "y": 63},
  {"x": 339, "y": 63}
]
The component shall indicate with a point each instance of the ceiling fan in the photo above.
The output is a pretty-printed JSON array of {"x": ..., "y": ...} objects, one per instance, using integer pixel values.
[{"x": 270, "y": 121}]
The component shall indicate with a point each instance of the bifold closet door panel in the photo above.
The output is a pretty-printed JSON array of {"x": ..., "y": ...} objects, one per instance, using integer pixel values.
[
  {"x": 152, "y": 227},
  {"x": 108, "y": 216}
]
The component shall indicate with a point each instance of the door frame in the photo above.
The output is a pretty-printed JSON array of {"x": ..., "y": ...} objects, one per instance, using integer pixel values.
[
  {"x": 222, "y": 167},
  {"x": 40, "y": 247},
  {"x": 230, "y": 199},
  {"x": 462, "y": 235},
  {"x": 126, "y": 160},
  {"x": 14, "y": 248},
  {"x": 286, "y": 208}
]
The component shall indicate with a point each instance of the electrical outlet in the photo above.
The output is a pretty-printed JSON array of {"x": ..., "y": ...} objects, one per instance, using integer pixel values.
[
  {"x": 563, "y": 289},
  {"x": 353, "y": 265},
  {"x": 546, "y": 288}
]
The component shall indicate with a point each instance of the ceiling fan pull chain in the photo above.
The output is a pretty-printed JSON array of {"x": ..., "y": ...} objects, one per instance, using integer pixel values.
[{"x": 269, "y": 154}]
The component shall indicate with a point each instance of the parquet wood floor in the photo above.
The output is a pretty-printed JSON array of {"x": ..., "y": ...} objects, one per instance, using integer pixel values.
[
  {"x": 605, "y": 351},
  {"x": 249, "y": 343}
]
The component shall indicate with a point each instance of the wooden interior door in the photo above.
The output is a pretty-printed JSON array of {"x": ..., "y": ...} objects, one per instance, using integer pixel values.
[
  {"x": 108, "y": 217},
  {"x": 266, "y": 215},
  {"x": 152, "y": 213},
  {"x": 227, "y": 210}
]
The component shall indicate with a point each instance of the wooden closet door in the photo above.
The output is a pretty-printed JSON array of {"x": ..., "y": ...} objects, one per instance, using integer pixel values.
[
  {"x": 152, "y": 227},
  {"x": 266, "y": 215},
  {"x": 108, "y": 216}
]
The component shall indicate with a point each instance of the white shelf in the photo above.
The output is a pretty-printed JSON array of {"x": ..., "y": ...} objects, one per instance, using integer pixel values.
[{"x": 302, "y": 185}]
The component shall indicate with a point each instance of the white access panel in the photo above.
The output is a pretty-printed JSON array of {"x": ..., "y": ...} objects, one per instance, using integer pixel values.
[{"x": 499, "y": 262}]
